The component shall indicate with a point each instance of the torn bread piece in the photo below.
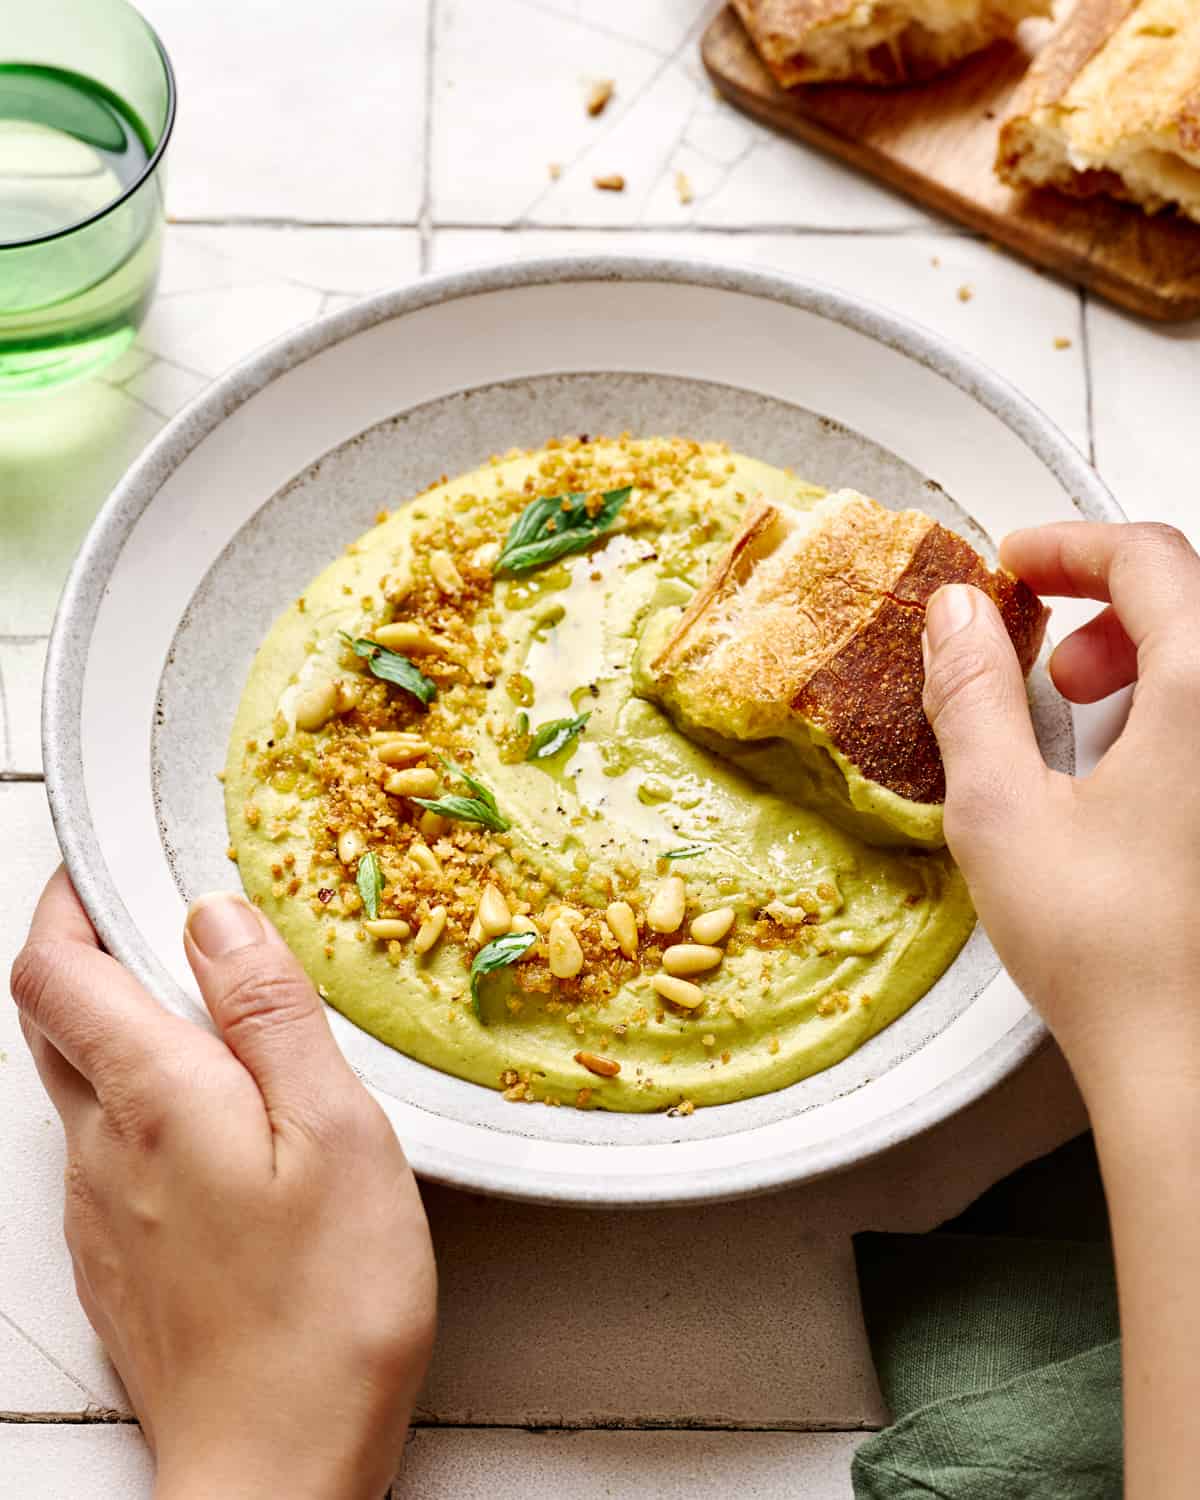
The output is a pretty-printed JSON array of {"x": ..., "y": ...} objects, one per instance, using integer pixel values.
[
  {"x": 808, "y": 631},
  {"x": 876, "y": 41},
  {"x": 1112, "y": 105}
]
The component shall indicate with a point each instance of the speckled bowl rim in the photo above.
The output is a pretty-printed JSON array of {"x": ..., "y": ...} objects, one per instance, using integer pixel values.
[{"x": 78, "y": 607}]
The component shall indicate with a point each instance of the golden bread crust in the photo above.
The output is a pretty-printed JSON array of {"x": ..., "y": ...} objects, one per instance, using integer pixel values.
[
  {"x": 868, "y": 699},
  {"x": 1112, "y": 104},
  {"x": 884, "y": 42},
  {"x": 813, "y": 621}
]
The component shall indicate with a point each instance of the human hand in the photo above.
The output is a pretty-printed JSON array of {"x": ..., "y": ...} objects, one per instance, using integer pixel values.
[
  {"x": 1088, "y": 887},
  {"x": 247, "y": 1237}
]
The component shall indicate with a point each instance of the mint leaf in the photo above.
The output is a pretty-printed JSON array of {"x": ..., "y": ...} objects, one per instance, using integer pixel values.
[
  {"x": 550, "y": 738},
  {"x": 555, "y": 526},
  {"x": 502, "y": 950},
  {"x": 481, "y": 808},
  {"x": 390, "y": 666},
  {"x": 476, "y": 786},
  {"x": 465, "y": 810},
  {"x": 370, "y": 883}
]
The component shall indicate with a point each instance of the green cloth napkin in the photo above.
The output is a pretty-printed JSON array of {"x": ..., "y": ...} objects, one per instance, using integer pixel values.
[{"x": 998, "y": 1355}]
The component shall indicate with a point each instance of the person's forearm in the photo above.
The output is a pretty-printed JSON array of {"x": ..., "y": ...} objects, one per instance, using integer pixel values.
[{"x": 1147, "y": 1125}]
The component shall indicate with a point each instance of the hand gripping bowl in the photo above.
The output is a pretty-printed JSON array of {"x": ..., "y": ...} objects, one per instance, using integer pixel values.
[{"x": 281, "y": 462}]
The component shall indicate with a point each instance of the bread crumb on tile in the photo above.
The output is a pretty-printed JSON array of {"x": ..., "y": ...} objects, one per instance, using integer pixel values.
[
  {"x": 683, "y": 188},
  {"x": 965, "y": 293},
  {"x": 612, "y": 182},
  {"x": 598, "y": 96}
]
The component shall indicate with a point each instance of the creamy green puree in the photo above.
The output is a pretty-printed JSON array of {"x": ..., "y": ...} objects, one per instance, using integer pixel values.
[{"x": 832, "y": 938}]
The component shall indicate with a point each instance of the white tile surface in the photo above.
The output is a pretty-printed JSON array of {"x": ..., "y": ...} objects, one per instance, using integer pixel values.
[
  {"x": 1145, "y": 386},
  {"x": 896, "y": 270},
  {"x": 37, "y": 1295},
  {"x": 109, "y": 1462},
  {"x": 21, "y": 663},
  {"x": 32, "y": 1381},
  {"x": 509, "y": 88},
  {"x": 651, "y": 1465},
  {"x": 313, "y": 112}
]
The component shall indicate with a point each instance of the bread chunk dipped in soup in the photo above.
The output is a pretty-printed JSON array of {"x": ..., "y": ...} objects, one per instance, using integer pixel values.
[{"x": 598, "y": 775}]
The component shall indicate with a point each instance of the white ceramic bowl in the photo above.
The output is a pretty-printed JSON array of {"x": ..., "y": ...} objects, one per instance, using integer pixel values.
[{"x": 252, "y": 489}]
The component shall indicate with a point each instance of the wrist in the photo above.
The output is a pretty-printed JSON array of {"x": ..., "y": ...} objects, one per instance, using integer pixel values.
[
  {"x": 268, "y": 1469},
  {"x": 1130, "y": 1074}
]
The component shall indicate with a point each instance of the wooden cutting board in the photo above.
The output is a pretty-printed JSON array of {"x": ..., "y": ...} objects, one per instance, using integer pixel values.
[{"x": 936, "y": 141}]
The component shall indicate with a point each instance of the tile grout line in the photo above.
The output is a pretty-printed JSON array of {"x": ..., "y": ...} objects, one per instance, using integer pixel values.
[
  {"x": 598, "y": 30},
  {"x": 784, "y": 231},
  {"x": 50, "y": 1359},
  {"x": 102, "y": 1416},
  {"x": 425, "y": 212},
  {"x": 1085, "y": 343}
]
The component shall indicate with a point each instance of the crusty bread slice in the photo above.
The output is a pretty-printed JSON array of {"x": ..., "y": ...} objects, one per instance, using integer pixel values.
[
  {"x": 809, "y": 630},
  {"x": 1112, "y": 105},
  {"x": 876, "y": 41}
]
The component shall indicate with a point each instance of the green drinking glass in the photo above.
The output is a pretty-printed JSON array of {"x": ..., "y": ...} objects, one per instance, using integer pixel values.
[{"x": 87, "y": 102}]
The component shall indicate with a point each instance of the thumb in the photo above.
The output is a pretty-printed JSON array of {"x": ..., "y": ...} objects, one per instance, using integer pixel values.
[
  {"x": 264, "y": 1006},
  {"x": 976, "y": 705}
]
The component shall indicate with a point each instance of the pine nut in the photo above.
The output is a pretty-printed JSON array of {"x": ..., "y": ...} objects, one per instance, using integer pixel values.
[
  {"x": 605, "y": 1067},
  {"x": 419, "y": 781},
  {"x": 475, "y": 933},
  {"x": 432, "y": 824},
  {"x": 623, "y": 926},
  {"x": 395, "y": 736},
  {"x": 349, "y": 694},
  {"x": 557, "y": 912},
  {"x": 566, "y": 956},
  {"x": 399, "y": 752},
  {"x": 691, "y": 958},
  {"x": 681, "y": 992},
  {"x": 667, "y": 905},
  {"x": 388, "y": 928},
  {"x": 351, "y": 845},
  {"x": 445, "y": 574},
  {"x": 711, "y": 926},
  {"x": 494, "y": 915},
  {"x": 404, "y": 635},
  {"x": 316, "y": 705},
  {"x": 522, "y": 924},
  {"x": 425, "y": 859},
  {"x": 398, "y": 584},
  {"x": 430, "y": 930}
]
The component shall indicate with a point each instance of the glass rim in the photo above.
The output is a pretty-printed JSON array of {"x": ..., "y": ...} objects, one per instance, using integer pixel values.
[{"x": 143, "y": 176}]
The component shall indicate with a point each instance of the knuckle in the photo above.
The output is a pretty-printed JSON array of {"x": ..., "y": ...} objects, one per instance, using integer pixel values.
[
  {"x": 138, "y": 1115},
  {"x": 35, "y": 969},
  {"x": 256, "y": 1000},
  {"x": 964, "y": 673},
  {"x": 1159, "y": 535},
  {"x": 1151, "y": 543}
]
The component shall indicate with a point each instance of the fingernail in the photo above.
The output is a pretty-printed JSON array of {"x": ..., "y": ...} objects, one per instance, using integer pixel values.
[
  {"x": 950, "y": 609},
  {"x": 221, "y": 923}
]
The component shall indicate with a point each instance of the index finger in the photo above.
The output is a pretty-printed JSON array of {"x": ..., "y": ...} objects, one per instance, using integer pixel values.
[
  {"x": 86, "y": 1005},
  {"x": 1149, "y": 573}
]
